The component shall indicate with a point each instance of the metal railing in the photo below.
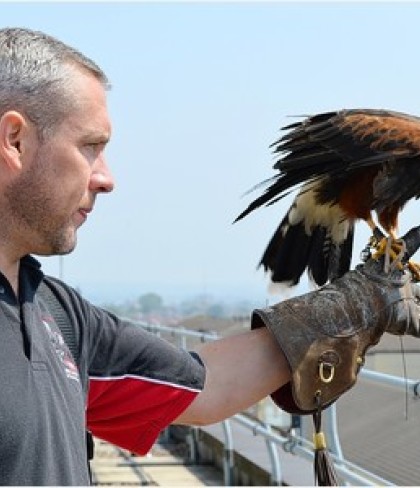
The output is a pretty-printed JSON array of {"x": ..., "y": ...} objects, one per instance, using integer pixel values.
[{"x": 293, "y": 443}]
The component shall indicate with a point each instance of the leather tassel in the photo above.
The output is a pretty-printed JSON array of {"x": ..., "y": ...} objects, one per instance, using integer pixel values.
[{"x": 324, "y": 471}]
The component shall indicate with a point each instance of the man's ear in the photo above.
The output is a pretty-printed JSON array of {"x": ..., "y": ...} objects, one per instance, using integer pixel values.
[{"x": 13, "y": 127}]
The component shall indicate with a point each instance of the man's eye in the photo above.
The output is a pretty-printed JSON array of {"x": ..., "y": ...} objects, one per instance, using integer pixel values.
[{"x": 95, "y": 147}]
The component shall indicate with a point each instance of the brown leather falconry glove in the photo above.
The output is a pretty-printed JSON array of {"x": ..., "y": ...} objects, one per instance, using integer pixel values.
[{"x": 326, "y": 333}]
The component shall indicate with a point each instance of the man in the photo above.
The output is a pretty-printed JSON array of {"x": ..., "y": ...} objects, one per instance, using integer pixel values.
[{"x": 127, "y": 385}]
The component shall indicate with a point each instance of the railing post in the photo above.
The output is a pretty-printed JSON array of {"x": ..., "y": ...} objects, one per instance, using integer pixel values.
[
  {"x": 228, "y": 454},
  {"x": 332, "y": 431},
  {"x": 192, "y": 445},
  {"x": 275, "y": 476},
  {"x": 182, "y": 338}
]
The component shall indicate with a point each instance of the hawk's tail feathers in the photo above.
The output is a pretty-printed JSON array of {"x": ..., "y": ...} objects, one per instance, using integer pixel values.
[
  {"x": 292, "y": 250},
  {"x": 286, "y": 255},
  {"x": 329, "y": 260}
]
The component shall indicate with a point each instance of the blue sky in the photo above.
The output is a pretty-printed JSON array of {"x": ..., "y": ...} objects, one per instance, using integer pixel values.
[{"x": 200, "y": 91}]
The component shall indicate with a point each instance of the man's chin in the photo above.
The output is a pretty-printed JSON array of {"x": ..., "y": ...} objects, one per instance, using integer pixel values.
[
  {"x": 46, "y": 253},
  {"x": 59, "y": 247},
  {"x": 67, "y": 249}
]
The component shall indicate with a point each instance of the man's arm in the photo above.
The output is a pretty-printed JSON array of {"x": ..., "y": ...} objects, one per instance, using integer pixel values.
[
  {"x": 241, "y": 370},
  {"x": 324, "y": 336}
]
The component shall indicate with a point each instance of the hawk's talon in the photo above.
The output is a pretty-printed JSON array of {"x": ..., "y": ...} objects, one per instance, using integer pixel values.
[
  {"x": 373, "y": 241},
  {"x": 392, "y": 254},
  {"x": 395, "y": 249},
  {"x": 393, "y": 246},
  {"x": 414, "y": 269}
]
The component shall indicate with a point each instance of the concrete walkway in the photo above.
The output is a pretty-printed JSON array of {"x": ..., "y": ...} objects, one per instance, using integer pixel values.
[{"x": 112, "y": 466}]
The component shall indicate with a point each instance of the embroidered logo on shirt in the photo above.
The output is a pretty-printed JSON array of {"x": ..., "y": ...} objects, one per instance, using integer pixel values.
[{"x": 62, "y": 351}]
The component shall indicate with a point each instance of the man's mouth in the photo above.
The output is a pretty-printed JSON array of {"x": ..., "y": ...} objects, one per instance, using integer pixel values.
[{"x": 83, "y": 215}]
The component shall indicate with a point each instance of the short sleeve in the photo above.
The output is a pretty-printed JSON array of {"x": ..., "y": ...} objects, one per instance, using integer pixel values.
[{"x": 138, "y": 383}]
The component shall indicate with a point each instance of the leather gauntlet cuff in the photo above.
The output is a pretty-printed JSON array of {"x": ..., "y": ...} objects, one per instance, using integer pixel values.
[
  {"x": 325, "y": 334},
  {"x": 325, "y": 365}
]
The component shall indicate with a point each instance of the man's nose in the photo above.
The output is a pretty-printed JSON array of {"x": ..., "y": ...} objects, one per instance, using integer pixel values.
[{"x": 101, "y": 180}]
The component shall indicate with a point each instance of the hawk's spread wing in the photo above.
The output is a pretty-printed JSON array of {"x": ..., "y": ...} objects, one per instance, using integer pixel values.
[{"x": 347, "y": 164}]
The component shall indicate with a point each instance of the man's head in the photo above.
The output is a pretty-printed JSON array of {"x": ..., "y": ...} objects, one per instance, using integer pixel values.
[
  {"x": 54, "y": 127},
  {"x": 35, "y": 77}
]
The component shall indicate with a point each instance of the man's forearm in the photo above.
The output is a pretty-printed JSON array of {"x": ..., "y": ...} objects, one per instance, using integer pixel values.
[{"x": 241, "y": 370}]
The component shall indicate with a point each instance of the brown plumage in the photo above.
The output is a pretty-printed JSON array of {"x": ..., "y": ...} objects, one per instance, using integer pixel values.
[{"x": 347, "y": 164}]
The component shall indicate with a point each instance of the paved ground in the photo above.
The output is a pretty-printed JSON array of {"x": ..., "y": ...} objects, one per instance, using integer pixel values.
[{"x": 162, "y": 467}]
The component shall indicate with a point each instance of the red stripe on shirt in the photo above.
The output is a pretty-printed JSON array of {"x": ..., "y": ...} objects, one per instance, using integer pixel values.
[{"x": 131, "y": 411}]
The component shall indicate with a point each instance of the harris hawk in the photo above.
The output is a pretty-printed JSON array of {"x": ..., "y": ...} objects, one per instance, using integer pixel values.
[{"x": 348, "y": 165}]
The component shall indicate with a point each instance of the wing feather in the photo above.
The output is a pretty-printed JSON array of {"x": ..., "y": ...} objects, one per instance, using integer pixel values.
[
  {"x": 336, "y": 143},
  {"x": 329, "y": 153}
]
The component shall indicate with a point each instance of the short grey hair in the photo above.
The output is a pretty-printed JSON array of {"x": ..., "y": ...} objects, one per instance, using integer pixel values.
[{"x": 35, "y": 76}]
